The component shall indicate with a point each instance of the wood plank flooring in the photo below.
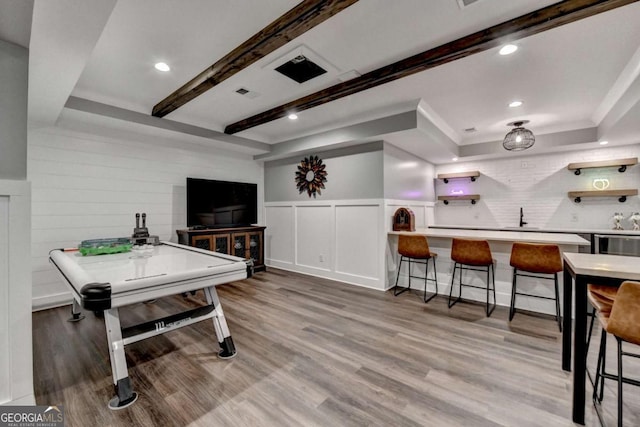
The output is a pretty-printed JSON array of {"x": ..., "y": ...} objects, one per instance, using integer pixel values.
[{"x": 313, "y": 352}]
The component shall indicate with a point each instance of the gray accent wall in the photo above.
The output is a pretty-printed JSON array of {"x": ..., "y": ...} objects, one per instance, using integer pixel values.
[
  {"x": 407, "y": 177},
  {"x": 14, "y": 75},
  {"x": 352, "y": 173}
]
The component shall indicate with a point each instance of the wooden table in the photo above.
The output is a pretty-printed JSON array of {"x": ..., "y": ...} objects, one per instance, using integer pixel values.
[{"x": 587, "y": 268}]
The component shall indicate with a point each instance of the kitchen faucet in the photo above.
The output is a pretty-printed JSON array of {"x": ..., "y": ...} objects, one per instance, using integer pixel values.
[{"x": 522, "y": 222}]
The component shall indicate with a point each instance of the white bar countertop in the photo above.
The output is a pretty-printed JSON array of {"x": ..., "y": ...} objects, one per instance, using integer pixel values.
[
  {"x": 500, "y": 236},
  {"x": 616, "y": 266},
  {"x": 541, "y": 230}
]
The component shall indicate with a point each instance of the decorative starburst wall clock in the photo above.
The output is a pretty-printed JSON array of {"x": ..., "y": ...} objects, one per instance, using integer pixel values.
[{"x": 311, "y": 176}]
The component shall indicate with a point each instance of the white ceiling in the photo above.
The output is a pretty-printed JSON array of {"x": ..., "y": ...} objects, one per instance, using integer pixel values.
[{"x": 579, "y": 76}]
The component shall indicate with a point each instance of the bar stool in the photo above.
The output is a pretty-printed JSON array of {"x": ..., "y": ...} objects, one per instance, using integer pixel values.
[
  {"x": 472, "y": 255},
  {"x": 601, "y": 298},
  {"x": 416, "y": 248},
  {"x": 623, "y": 322},
  {"x": 542, "y": 261}
]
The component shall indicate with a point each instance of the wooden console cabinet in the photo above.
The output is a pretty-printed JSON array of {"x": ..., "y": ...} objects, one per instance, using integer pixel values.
[{"x": 244, "y": 242}]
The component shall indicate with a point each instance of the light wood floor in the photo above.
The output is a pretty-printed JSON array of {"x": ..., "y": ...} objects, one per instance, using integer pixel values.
[{"x": 312, "y": 352}]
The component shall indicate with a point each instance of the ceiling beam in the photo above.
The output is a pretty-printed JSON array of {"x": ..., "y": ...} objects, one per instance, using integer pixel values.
[
  {"x": 287, "y": 27},
  {"x": 526, "y": 25}
]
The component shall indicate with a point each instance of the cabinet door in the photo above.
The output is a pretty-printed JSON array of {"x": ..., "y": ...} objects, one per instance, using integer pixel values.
[
  {"x": 221, "y": 243},
  {"x": 255, "y": 247},
  {"x": 240, "y": 245},
  {"x": 202, "y": 242}
]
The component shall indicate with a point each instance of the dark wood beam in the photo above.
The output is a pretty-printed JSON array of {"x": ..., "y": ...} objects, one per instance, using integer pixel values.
[
  {"x": 295, "y": 22},
  {"x": 526, "y": 25}
]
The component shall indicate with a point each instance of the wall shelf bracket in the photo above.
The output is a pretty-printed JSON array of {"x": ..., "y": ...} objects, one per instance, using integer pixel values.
[
  {"x": 620, "y": 163},
  {"x": 446, "y": 177}
]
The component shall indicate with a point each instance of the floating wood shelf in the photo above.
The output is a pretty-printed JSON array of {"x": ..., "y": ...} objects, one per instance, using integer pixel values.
[
  {"x": 620, "y": 194},
  {"x": 472, "y": 197},
  {"x": 620, "y": 163},
  {"x": 447, "y": 176}
]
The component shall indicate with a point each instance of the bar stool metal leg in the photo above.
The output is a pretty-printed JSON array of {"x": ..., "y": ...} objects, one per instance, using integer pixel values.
[
  {"x": 558, "y": 318},
  {"x": 435, "y": 278},
  {"x": 512, "y": 308},
  {"x": 453, "y": 276},
  {"x": 395, "y": 288}
]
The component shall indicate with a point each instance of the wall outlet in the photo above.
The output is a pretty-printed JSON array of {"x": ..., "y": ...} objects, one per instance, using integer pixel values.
[
  {"x": 321, "y": 258},
  {"x": 574, "y": 217}
]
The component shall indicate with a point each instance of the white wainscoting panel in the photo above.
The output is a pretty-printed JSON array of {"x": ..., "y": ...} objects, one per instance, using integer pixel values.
[
  {"x": 279, "y": 234},
  {"x": 5, "y": 361},
  {"x": 16, "y": 361},
  {"x": 357, "y": 247},
  {"x": 314, "y": 228},
  {"x": 342, "y": 240},
  {"x": 423, "y": 212}
]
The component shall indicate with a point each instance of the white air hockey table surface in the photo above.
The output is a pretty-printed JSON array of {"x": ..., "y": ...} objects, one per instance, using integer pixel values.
[{"x": 105, "y": 283}]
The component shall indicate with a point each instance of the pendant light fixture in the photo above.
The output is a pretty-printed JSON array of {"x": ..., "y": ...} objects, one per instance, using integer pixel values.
[{"x": 519, "y": 138}]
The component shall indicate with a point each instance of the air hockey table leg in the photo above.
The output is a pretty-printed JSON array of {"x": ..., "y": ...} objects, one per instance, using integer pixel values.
[
  {"x": 76, "y": 314},
  {"x": 228, "y": 349},
  {"x": 125, "y": 395}
]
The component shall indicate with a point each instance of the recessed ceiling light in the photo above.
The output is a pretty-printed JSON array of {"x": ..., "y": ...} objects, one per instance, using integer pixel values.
[
  {"x": 515, "y": 104},
  {"x": 508, "y": 49},
  {"x": 604, "y": 142},
  {"x": 162, "y": 66},
  {"x": 455, "y": 159},
  {"x": 293, "y": 116}
]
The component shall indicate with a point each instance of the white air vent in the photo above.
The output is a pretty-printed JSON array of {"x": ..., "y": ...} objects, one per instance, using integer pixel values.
[
  {"x": 302, "y": 54},
  {"x": 465, "y": 3}
]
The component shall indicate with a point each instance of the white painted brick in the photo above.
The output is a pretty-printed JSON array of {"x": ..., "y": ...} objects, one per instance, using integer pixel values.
[{"x": 541, "y": 189}]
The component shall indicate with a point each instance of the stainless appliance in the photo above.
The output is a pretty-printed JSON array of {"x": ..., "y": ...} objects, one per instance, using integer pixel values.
[{"x": 617, "y": 244}]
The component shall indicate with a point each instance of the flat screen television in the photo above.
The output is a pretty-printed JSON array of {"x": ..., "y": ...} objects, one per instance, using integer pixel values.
[{"x": 221, "y": 204}]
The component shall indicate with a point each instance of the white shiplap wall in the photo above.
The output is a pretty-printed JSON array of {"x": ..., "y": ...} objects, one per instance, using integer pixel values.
[{"x": 86, "y": 187}]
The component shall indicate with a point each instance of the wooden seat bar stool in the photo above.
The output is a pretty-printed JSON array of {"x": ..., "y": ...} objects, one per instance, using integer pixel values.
[
  {"x": 601, "y": 298},
  {"x": 416, "y": 248},
  {"x": 623, "y": 322},
  {"x": 538, "y": 261},
  {"x": 473, "y": 255}
]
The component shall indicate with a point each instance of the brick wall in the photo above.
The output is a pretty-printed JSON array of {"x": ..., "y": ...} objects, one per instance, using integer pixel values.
[{"x": 539, "y": 184}]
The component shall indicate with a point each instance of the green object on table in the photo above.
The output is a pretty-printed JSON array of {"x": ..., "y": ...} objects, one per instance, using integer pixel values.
[{"x": 105, "y": 246}]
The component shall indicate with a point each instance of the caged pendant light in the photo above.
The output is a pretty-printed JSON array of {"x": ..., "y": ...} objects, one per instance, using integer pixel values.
[{"x": 519, "y": 138}]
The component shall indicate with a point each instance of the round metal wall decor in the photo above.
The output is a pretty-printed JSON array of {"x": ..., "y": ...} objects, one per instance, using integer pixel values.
[{"x": 311, "y": 176}]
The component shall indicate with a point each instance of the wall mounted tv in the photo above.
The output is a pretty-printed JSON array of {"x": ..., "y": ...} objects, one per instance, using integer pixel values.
[{"x": 220, "y": 204}]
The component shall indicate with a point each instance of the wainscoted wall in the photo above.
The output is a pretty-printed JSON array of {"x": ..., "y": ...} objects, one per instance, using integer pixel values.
[
  {"x": 87, "y": 187},
  {"x": 539, "y": 184},
  {"x": 342, "y": 234},
  {"x": 16, "y": 375},
  {"x": 339, "y": 239}
]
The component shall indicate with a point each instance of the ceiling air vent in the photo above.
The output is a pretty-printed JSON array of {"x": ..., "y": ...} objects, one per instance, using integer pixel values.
[
  {"x": 300, "y": 69},
  {"x": 248, "y": 93}
]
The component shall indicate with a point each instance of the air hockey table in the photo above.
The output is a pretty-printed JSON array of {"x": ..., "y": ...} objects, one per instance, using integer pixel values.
[{"x": 104, "y": 283}]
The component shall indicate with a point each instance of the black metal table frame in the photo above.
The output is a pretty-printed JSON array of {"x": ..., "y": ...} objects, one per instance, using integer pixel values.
[{"x": 579, "y": 332}]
